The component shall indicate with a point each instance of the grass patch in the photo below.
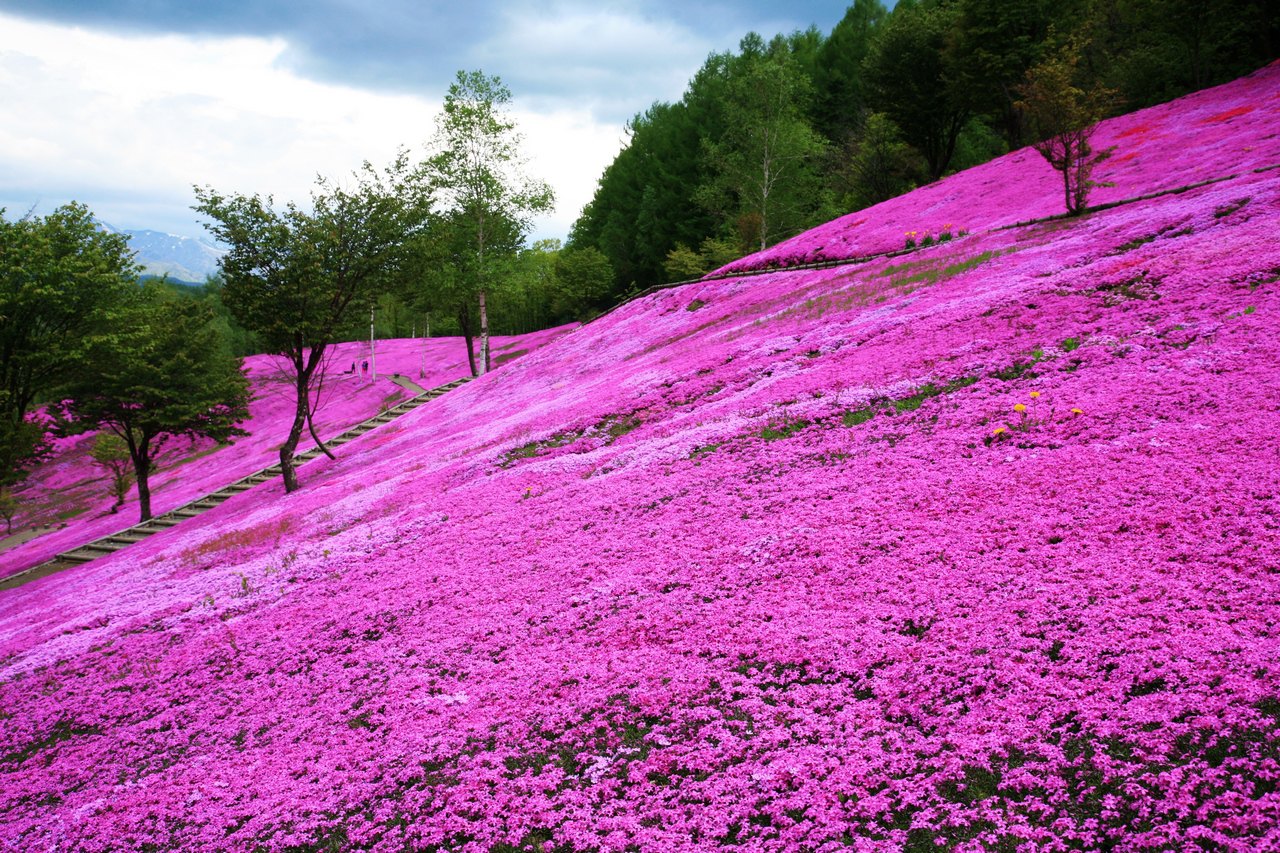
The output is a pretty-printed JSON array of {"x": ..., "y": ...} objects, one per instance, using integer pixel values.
[
  {"x": 1133, "y": 244},
  {"x": 1230, "y": 208},
  {"x": 926, "y": 273},
  {"x": 63, "y": 730},
  {"x": 1132, "y": 288},
  {"x": 695, "y": 305},
  {"x": 616, "y": 426},
  {"x": 909, "y": 403},
  {"x": 858, "y": 416},
  {"x": 528, "y": 451},
  {"x": 1020, "y": 369},
  {"x": 784, "y": 429}
]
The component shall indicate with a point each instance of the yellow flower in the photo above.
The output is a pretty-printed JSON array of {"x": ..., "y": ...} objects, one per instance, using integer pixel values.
[
  {"x": 997, "y": 430},
  {"x": 1035, "y": 394},
  {"x": 1020, "y": 408},
  {"x": 1077, "y": 412}
]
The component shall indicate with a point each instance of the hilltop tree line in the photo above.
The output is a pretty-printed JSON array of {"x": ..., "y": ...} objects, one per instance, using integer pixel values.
[{"x": 788, "y": 133}]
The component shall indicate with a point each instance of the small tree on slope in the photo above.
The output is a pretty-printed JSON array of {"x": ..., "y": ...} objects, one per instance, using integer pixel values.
[
  {"x": 110, "y": 451},
  {"x": 1063, "y": 116},
  {"x": 165, "y": 371}
]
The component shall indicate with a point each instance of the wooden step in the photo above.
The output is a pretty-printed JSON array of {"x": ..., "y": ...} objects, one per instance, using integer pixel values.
[
  {"x": 137, "y": 533},
  {"x": 131, "y": 537},
  {"x": 102, "y": 546}
]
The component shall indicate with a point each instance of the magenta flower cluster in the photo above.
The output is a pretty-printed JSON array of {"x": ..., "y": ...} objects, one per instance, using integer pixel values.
[
  {"x": 1232, "y": 131},
  {"x": 970, "y": 549},
  {"x": 69, "y": 494}
]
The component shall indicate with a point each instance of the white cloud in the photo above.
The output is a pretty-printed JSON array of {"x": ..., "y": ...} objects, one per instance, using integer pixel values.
[
  {"x": 127, "y": 124},
  {"x": 613, "y": 58}
]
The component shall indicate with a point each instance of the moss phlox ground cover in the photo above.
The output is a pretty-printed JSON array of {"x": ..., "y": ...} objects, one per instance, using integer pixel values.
[
  {"x": 69, "y": 494},
  {"x": 975, "y": 548},
  {"x": 1231, "y": 128}
]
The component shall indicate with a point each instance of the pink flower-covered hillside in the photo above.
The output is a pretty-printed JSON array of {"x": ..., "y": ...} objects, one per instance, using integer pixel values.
[
  {"x": 970, "y": 549},
  {"x": 66, "y": 501},
  {"x": 1231, "y": 127}
]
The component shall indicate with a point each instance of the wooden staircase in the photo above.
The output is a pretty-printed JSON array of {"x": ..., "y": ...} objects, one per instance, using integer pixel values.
[{"x": 110, "y": 544}]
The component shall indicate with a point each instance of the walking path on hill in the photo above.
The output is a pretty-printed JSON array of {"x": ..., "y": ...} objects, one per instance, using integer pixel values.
[
  {"x": 407, "y": 383},
  {"x": 123, "y": 539}
]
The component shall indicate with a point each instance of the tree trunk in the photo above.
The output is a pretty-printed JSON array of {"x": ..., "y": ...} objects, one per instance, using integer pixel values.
[
  {"x": 464, "y": 323},
  {"x": 484, "y": 336},
  {"x": 8, "y": 508},
  {"x": 140, "y": 454},
  {"x": 142, "y": 469},
  {"x": 287, "y": 469},
  {"x": 1066, "y": 183}
]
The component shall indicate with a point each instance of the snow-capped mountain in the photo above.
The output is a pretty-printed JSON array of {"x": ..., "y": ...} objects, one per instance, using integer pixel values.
[{"x": 186, "y": 259}]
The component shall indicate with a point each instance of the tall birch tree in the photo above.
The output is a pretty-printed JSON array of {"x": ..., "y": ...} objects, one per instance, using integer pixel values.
[
  {"x": 764, "y": 166},
  {"x": 477, "y": 170}
]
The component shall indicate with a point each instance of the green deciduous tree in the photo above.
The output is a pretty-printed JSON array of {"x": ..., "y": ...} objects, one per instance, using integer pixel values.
[
  {"x": 62, "y": 280},
  {"x": 912, "y": 78},
  {"x": 878, "y": 164},
  {"x": 1063, "y": 116},
  {"x": 478, "y": 171},
  {"x": 110, "y": 452},
  {"x": 583, "y": 277},
  {"x": 653, "y": 181},
  {"x": 995, "y": 42},
  {"x": 1155, "y": 50},
  {"x": 838, "y": 76},
  {"x": 164, "y": 371},
  {"x": 296, "y": 278},
  {"x": 23, "y": 444}
]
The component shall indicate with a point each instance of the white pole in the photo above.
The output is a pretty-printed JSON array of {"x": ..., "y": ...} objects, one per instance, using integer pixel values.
[{"x": 373, "y": 355}]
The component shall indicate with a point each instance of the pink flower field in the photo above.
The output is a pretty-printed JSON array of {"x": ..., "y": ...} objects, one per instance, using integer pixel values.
[
  {"x": 69, "y": 495},
  {"x": 1204, "y": 136},
  {"x": 975, "y": 548}
]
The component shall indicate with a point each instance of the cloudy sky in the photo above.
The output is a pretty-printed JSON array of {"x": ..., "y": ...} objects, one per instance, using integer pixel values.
[{"x": 125, "y": 104}]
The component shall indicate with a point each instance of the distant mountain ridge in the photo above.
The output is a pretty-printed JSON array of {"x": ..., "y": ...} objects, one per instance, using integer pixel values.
[{"x": 185, "y": 259}]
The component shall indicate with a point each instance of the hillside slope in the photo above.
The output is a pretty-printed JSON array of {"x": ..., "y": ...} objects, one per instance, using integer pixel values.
[
  {"x": 974, "y": 548},
  {"x": 1204, "y": 136},
  {"x": 66, "y": 502}
]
